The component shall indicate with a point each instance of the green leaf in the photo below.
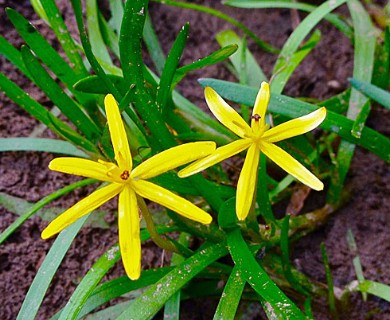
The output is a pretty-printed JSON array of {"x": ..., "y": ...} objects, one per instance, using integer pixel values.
[
  {"x": 95, "y": 37},
  {"x": 211, "y": 59},
  {"x": 296, "y": 38},
  {"x": 283, "y": 74},
  {"x": 254, "y": 74},
  {"x": 379, "y": 95},
  {"x": 41, "y": 145},
  {"x": 148, "y": 304},
  {"x": 13, "y": 55},
  {"x": 67, "y": 105},
  {"x": 93, "y": 84},
  {"x": 276, "y": 301},
  {"x": 293, "y": 108},
  {"x": 39, "y": 112},
  {"x": 66, "y": 41},
  {"x": 378, "y": 289},
  {"x": 165, "y": 86},
  {"x": 48, "y": 269},
  {"x": 263, "y": 4},
  {"x": 231, "y": 296},
  {"x": 153, "y": 45},
  {"x": 329, "y": 280}
]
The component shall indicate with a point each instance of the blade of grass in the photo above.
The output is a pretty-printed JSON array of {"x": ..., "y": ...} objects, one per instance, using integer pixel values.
[
  {"x": 265, "y": 46},
  {"x": 378, "y": 289},
  {"x": 40, "y": 204},
  {"x": 94, "y": 276},
  {"x": 39, "y": 112},
  {"x": 211, "y": 59},
  {"x": 95, "y": 37},
  {"x": 41, "y": 145},
  {"x": 296, "y": 38},
  {"x": 66, "y": 41},
  {"x": 283, "y": 74},
  {"x": 13, "y": 55},
  {"x": 154, "y": 298},
  {"x": 357, "y": 265},
  {"x": 254, "y": 73},
  {"x": 379, "y": 95},
  {"x": 67, "y": 105},
  {"x": 231, "y": 296},
  {"x": 48, "y": 269},
  {"x": 329, "y": 280},
  {"x": 153, "y": 45},
  {"x": 165, "y": 86},
  {"x": 261, "y": 4},
  {"x": 293, "y": 108},
  {"x": 363, "y": 66}
]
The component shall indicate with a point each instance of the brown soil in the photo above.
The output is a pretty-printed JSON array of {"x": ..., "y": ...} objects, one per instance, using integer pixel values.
[{"x": 25, "y": 174}]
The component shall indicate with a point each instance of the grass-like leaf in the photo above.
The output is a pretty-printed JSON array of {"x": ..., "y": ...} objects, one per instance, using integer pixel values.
[
  {"x": 157, "y": 294},
  {"x": 253, "y": 72},
  {"x": 377, "y": 94},
  {"x": 263, "y": 4},
  {"x": 41, "y": 145},
  {"x": 378, "y": 289},
  {"x": 48, "y": 269},
  {"x": 296, "y": 38}
]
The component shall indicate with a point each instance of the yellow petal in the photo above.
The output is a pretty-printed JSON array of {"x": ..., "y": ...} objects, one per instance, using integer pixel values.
[
  {"x": 296, "y": 126},
  {"x": 247, "y": 182},
  {"x": 81, "y": 208},
  {"x": 81, "y": 167},
  {"x": 129, "y": 233},
  {"x": 292, "y": 166},
  {"x": 171, "y": 201},
  {"x": 226, "y": 114},
  {"x": 218, "y": 155},
  {"x": 118, "y": 133},
  {"x": 173, "y": 158},
  {"x": 261, "y": 104}
]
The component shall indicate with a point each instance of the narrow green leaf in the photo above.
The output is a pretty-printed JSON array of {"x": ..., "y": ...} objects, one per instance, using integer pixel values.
[
  {"x": 293, "y": 108},
  {"x": 66, "y": 41},
  {"x": 253, "y": 72},
  {"x": 39, "y": 112},
  {"x": 329, "y": 280},
  {"x": 95, "y": 37},
  {"x": 379, "y": 95},
  {"x": 41, "y": 145},
  {"x": 378, "y": 289},
  {"x": 116, "y": 9},
  {"x": 297, "y": 37},
  {"x": 40, "y": 204},
  {"x": 67, "y": 105},
  {"x": 148, "y": 304},
  {"x": 42, "y": 48},
  {"x": 48, "y": 269},
  {"x": 93, "y": 84},
  {"x": 181, "y": 4},
  {"x": 211, "y": 59},
  {"x": 165, "y": 86},
  {"x": 283, "y": 74},
  {"x": 13, "y": 55},
  {"x": 263, "y": 4},
  {"x": 231, "y": 296},
  {"x": 153, "y": 45},
  {"x": 275, "y": 300},
  {"x": 77, "y": 8}
]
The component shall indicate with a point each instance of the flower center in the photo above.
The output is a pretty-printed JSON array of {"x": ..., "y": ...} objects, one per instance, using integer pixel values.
[
  {"x": 125, "y": 175},
  {"x": 256, "y": 117}
]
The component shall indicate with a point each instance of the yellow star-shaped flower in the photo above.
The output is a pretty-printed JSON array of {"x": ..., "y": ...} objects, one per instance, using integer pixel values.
[
  {"x": 256, "y": 138},
  {"x": 128, "y": 182}
]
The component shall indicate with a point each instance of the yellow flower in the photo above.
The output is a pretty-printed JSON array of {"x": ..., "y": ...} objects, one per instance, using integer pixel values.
[
  {"x": 128, "y": 183},
  {"x": 256, "y": 138}
]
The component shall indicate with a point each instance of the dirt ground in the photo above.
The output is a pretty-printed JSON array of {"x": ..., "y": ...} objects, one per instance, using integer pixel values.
[{"x": 25, "y": 174}]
